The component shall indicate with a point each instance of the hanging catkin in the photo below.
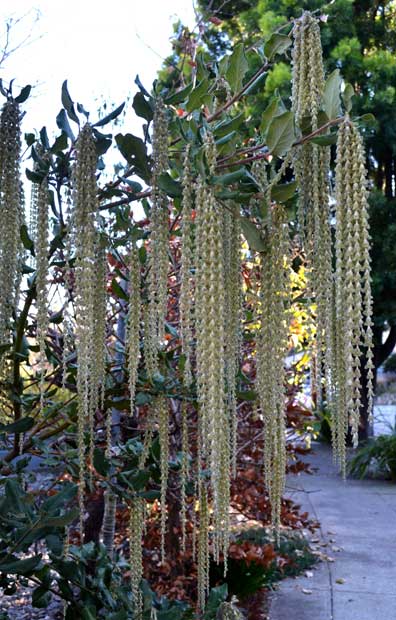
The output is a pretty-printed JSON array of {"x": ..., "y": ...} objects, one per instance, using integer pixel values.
[
  {"x": 161, "y": 406},
  {"x": 203, "y": 548},
  {"x": 85, "y": 207},
  {"x": 353, "y": 292},
  {"x": 33, "y": 216},
  {"x": 11, "y": 213},
  {"x": 41, "y": 278},
  {"x": 100, "y": 305},
  {"x": 232, "y": 317},
  {"x": 68, "y": 330},
  {"x": 312, "y": 166},
  {"x": 210, "y": 351},
  {"x": 133, "y": 325},
  {"x": 136, "y": 524},
  {"x": 158, "y": 258},
  {"x": 271, "y": 352},
  {"x": 185, "y": 301},
  {"x": 184, "y": 473}
]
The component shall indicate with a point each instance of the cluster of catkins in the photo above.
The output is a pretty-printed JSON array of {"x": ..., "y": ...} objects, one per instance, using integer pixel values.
[
  {"x": 342, "y": 293},
  {"x": 11, "y": 215},
  {"x": 210, "y": 303},
  {"x": 209, "y": 319},
  {"x": 11, "y": 249},
  {"x": 90, "y": 298}
]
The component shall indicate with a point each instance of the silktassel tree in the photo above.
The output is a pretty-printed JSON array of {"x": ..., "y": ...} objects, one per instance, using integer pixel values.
[{"x": 214, "y": 197}]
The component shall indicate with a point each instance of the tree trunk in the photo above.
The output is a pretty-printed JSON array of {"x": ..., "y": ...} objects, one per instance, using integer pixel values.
[{"x": 381, "y": 353}]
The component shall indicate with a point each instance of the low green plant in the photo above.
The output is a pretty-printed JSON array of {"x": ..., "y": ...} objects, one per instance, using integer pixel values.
[
  {"x": 247, "y": 575},
  {"x": 377, "y": 456},
  {"x": 390, "y": 364}
]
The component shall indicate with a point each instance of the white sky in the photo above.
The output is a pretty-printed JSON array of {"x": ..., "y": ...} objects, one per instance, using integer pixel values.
[{"x": 97, "y": 45}]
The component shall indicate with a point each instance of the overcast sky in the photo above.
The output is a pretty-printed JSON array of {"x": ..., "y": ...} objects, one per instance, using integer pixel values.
[{"x": 97, "y": 45}]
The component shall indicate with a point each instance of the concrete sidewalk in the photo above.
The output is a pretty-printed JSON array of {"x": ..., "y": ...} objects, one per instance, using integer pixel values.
[{"x": 358, "y": 534}]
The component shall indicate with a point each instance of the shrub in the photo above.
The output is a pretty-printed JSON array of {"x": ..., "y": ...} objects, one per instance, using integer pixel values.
[{"x": 376, "y": 456}]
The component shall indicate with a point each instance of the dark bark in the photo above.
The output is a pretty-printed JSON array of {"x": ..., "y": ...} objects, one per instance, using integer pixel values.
[
  {"x": 388, "y": 161},
  {"x": 93, "y": 524},
  {"x": 381, "y": 353}
]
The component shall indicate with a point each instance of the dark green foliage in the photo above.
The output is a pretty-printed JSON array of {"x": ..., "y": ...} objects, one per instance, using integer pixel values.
[
  {"x": 390, "y": 364},
  {"x": 376, "y": 457},
  {"x": 244, "y": 578}
]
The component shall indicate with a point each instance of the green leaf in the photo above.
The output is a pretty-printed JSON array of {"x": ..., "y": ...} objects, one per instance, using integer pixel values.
[
  {"x": 227, "y": 138},
  {"x": 331, "y": 95},
  {"x": 62, "y": 520},
  {"x": 199, "y": 96},
  {"x": 229, "y": 177},
  {"x": 63, "y": 123},
  {"x": 44, "y": 142},
  {"x": 225, "y": 127},
  {"x": 30, "y": 138},
  {"x": 82, "y": 110},
  {"x": 306, "y": 122},
  {"x": 273, "y": 109},
  {"x": 26, "y": 240},
  {"x": 252, "y": 235},
  {"x": 14, "y": 497},
  {"x": 276, "y": 44},
  {"x": 143, "y": 398},
  {"x": 256, "y": 82},
  {"x": 135, "y": 152},
  {"x": 118, "y": 290},
  {"x": 24, "y": 94},
  {"x": 141, "y": 87},
  {"x": 20, "y": 567},
  {"x": 110, "y": 117},
  {"x": 281, "y": 135},
  {"x": 41, "y": 597},
  {"x": 283, "y": 192},
  {"x": 55, "y": 544},
  {"x": 216, "y": 596},
  {"x": 168, "y": 185},
  {"x": 102, "y": 141},
  {"x": 347, "y": 95},
  {"x": 120, "y": 404},
  {"x": 237, "y": 67},
  {"x": 33, "y": 176},
  {"x": 100, "y": 462},
  {"x": 60, "y": 143},
  {"x": 326, "y": 140},
  {"x": 68, "y": 103},
  {"x": 179, "y": 96},
  {"x": 21, "y": 426},
  {"x": 57, "y": 501},
  {"x": 136, "y": 479},
  {"x": 367, "y": 118},
  {"x": 88, "y": 613},
  {"x": 142, "y": 107}
]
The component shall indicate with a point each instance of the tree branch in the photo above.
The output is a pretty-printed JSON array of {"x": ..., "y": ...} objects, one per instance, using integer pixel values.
[
  {"x": 384, "y": 350},
  {"x": 238, "y": 95}
]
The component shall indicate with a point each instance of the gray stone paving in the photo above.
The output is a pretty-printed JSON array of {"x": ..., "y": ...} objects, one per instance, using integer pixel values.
[{"x": 357, "y": 579}]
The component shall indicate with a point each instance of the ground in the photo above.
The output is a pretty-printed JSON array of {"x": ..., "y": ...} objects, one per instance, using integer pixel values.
[{"x": 356, "y": 580}]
